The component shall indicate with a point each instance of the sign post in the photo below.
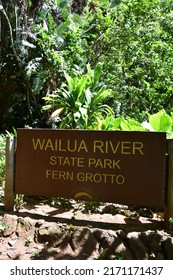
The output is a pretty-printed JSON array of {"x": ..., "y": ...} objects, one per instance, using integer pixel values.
[
  {"x": 168, "y": 219},
  {"x": 9, "y": 196}
]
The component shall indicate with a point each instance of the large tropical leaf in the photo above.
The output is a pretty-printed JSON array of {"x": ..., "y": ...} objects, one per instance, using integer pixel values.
[
  {"x": 160, "y": 121},
  {"x": 131, "y": 125}
]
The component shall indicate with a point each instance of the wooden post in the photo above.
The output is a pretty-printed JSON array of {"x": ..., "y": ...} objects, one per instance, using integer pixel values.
[
  {"x": 9, "y": 197},
  {"x": 168, "y": 219}
]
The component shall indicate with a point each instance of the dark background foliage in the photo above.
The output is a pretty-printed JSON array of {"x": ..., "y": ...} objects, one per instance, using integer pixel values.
[{"x": 39, "y": 40}]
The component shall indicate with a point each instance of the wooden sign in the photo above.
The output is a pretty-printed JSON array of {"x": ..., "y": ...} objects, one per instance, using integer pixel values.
[{"x": 106, "y": 166}]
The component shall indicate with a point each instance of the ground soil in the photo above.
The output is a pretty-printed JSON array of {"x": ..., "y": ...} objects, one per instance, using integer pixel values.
[{"x": 73, "y": 230}]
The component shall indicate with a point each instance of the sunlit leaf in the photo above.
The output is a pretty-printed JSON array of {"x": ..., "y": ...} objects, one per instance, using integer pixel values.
[
  {"x": 160, "y": 121},
  {"x": 56, "y": 113}
]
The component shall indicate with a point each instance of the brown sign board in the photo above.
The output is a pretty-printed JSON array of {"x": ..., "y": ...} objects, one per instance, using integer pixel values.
[{"x": 106, "y": 166}]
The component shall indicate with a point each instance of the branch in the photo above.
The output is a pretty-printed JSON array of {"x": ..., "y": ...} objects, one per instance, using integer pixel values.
[
  {"x": 90, "y": 28},
  {"x": 2, "y": 10}
]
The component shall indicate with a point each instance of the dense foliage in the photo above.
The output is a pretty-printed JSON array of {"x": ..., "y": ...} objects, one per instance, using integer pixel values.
[
  {"x": 79, "y": 101},
  {"x": 46, "y": 41}
]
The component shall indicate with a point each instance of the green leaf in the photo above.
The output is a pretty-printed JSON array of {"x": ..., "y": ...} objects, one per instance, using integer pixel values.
[
  {"x": 88, "y": 96},
  {"x": 97, "y": 73},
  {"x": 70, "y": 80},
  {"x": 160, "y": 121},
  {"x": 111, "y": 123},
  {"x": 62, "y": 27},
  {"x": 84, "y": 115},
  {"x": 131, "y": 125},
  {"x": 47, "y": 107},
  {"x": 80, "y": 88},
  {"x": 116, "y": 122}
]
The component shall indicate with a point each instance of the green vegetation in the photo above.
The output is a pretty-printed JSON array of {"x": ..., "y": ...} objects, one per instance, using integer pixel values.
[
  {"x": 120, "y": 255},
  {"x": 160, "y": 121},
  {"x": 28, "y": 240},
  {"x": 81, "y": 59},
  {"x": 66, "y": 204},
  {"x": 89, "y": 207},
  {"x": 19, "y": 201},
  {"x": 3, "y": 227},
  {"x": 101, "y": 64},
  {"x": 79, "y": 100},
  {"x": 171, "y": 223}
]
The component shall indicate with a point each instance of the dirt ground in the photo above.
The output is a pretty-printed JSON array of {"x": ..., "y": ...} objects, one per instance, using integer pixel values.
[{"x": 40, "y": 229}]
